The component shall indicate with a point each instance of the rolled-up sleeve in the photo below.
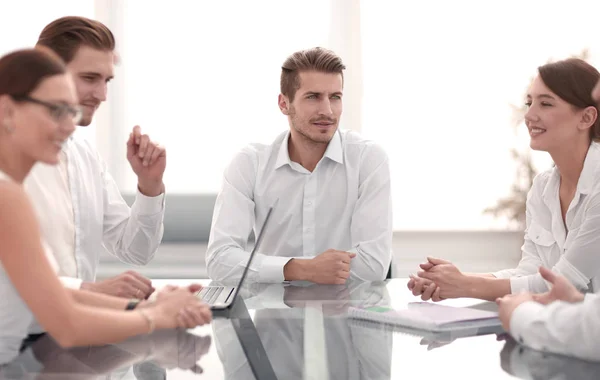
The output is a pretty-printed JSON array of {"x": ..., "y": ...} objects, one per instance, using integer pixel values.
[
  {"x": 530, "y": 259},
  {"x": 371, "y": 226},
  {"x": 131, "y": 234}
]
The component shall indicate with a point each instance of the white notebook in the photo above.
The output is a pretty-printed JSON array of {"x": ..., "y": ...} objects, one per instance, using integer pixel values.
[{"x": 428, "y": 316}]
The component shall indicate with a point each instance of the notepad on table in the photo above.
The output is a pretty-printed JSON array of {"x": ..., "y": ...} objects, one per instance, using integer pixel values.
[{"x": 428, "y": 316}]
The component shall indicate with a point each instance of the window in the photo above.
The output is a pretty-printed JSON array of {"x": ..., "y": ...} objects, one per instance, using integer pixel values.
[
  {"x": 439, "y": 78},
  {"x": 204, "y": 80}
]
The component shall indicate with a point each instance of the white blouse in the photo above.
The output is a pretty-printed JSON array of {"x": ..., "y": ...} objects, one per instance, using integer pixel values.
[{"x": 574, "y": 251}]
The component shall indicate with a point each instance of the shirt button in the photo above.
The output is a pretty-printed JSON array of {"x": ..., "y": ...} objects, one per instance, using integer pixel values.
[{"x": 309, "y": 203}]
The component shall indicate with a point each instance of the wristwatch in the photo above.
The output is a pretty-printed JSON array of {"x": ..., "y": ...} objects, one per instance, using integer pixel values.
[{"x": 132, "y": 304}]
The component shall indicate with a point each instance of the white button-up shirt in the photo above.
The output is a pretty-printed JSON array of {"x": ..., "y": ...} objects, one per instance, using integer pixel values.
[
  {"x": 51, "y": 182},
  {"x": 571, "y": 329},
  {"x": 344, "y": 204},
  {"x": 571, "y": 252},
  {"x": 102, "y": 219}
]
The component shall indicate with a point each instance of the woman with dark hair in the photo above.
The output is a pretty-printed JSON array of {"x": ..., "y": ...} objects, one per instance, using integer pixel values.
[
  {"x": 561, "y": 320},
  {"x": 38, "y": 112},
  {"x": 563, "y": 205}
]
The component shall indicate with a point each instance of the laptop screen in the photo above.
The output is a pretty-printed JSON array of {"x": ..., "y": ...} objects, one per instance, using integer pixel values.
[{"x": 252, "y": 254}]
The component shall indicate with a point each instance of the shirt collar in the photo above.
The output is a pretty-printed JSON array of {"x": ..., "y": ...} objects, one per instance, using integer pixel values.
[
  {"x": 283, "y": 156},
  {"x": 333, "y": 151},
  {"x": 586, "y": 178}
]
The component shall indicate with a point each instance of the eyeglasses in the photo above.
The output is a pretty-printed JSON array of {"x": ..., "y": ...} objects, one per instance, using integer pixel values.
[{"x": 59, "y": 112}]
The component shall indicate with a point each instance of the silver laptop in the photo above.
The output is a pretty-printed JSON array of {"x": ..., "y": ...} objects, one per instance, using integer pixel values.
[{"x": 222, "y": 297}]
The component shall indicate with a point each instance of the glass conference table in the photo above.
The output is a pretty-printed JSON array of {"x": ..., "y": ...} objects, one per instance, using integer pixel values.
[{"x": 299, "y": 331}]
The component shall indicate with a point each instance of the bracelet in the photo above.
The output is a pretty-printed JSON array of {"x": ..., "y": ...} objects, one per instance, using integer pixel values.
[
  {"x": 132, "y": 304},
  {"x": 149, "y": 319}
]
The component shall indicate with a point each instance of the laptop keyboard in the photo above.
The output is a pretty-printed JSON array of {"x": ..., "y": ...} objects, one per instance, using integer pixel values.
[{"x": 209, "y": 294}]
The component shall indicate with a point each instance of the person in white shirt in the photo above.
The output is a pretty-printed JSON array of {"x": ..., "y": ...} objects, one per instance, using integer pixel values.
[
  {"x": 569, "y": 324},
  {"x": 562, "y": 213},
  {"x": 562, "y": 320},
  {"x": 333, "y": 217},
  {"x": 79, "y": 205},
  {"x": 38, "y": 112}
]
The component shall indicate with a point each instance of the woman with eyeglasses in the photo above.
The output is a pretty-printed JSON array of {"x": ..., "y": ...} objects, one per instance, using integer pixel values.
[{"x": 38, "y": 112}]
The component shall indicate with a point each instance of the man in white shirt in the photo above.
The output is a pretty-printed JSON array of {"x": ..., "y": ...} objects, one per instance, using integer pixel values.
[
  {"x": 78, "y": 204},
  {"x": 333, "y": 217},
  {"x": 568, "y": 324}
]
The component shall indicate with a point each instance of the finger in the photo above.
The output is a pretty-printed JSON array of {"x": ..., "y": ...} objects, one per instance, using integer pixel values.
[
  {"x": 428, "y": 292},
  {"x": 203, "y": 315},
  {"x": 436, "y": 295},
  {"x": 187, "y": 317},
  {"x": 548, "y": 275},
  {"x": 207, "y": 314},
  {"x": 128, "y": 291},
  {"x": 130, "y": 146},
  {"x": 426, "y": 266},
  {"x": 196, "y": 316},
  {"x": 411, "y": 283},
  {"x": 144, "y": 141},
  {"x": 541, "y": 298},
  {"x": 148, "y": 154},
  {"x": 194, "y": 288},
  {"x": 142, "y": 290},
  {"x": 346, "y": 259},
  {"x": 168, "y": 288},
  {"x": 418, "y": 289},
  {"x": 141, "y": 285},
  {"x": 544, "y": 298},
  {"x": 159, "y": 151},
  {"x": 140, "y": 277},
  {"x": 427, "y": 275},
  {"x": 352, "y": 255},
  {"x": 343, "y": 274},
  {"x": 436, "y": 261},
  {"x": 137, "y": 134},
  {"x": 183, "y": 321}
]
